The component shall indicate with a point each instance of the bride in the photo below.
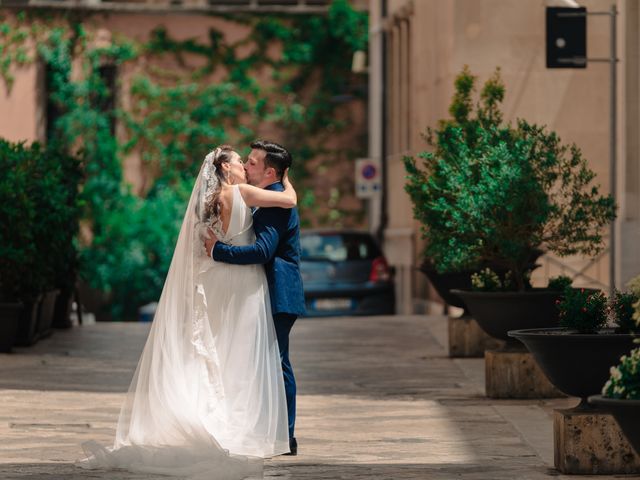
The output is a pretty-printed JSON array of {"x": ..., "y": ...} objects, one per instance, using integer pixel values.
[{"x": 207, "y": 399}]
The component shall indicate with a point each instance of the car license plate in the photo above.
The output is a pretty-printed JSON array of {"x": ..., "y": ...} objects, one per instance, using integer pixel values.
[{"x": 333, "y": 304}]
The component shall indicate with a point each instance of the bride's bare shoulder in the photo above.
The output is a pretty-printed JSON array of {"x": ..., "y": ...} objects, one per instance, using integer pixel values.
[{"x": 227, "y": 191}]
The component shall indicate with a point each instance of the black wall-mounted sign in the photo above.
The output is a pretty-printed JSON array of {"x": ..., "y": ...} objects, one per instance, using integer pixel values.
[{"x": 566, "y": 37}]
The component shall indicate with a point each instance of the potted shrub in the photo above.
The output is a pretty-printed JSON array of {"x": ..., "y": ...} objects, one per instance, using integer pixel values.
[
  {"x": 18, "y": 272},
  {"x": 577, "y": 356},
  {"x": 444, "y": 269},
  {"x": 38, "y": 194},
  {"x": 491, "y": 193}
]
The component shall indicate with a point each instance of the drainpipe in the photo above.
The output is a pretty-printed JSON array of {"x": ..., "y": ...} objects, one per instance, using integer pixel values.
[{"x": 383, "y": 124}]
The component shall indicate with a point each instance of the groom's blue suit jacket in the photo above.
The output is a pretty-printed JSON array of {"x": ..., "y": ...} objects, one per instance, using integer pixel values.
[{"x": 278, "y": 248}]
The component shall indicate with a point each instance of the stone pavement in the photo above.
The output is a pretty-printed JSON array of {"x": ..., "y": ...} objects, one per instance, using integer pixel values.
[{"x": 378, "y": 399}]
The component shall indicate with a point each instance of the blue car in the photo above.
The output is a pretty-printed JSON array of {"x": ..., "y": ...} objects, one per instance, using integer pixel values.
[{"x": 345, "y": 273}]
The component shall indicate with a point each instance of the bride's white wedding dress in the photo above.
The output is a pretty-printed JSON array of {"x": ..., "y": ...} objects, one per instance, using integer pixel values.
[{"x": 207, "y": 399}]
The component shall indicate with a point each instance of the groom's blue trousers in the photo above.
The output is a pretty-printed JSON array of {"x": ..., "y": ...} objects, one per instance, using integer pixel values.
[{"x": 283, "y": 323}]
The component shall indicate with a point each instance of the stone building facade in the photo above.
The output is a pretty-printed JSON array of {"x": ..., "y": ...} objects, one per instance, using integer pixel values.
[{"x": 417, "y": 49}]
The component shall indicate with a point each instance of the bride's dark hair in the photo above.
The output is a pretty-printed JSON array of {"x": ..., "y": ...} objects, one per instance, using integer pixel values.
[{"x": 213, "y": 206}]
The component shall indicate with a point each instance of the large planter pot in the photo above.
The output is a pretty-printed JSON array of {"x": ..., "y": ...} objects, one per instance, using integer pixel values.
[
  {"x": 28, "y": 327},
  {"x": 577, "y": 364},
  {"x": 447, "y": 281},
  {"x": 45, "y": 313},
  {"x": 627, "y": 415},
  {"x": 499, "y": 312},
  {"x": 9, "y": 321}
]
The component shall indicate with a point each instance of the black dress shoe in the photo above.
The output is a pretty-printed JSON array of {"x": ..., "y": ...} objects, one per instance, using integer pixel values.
[{"x": 293, "y": 446}]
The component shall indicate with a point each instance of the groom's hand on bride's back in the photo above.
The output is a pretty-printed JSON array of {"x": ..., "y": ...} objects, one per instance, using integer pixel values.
[{"x": 210, "y": 242}]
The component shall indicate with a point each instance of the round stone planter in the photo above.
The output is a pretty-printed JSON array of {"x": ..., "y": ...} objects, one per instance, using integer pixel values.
[
  {"x": 626, "y": 413},
  {"x": 499, "y": 312},
  {"x": 575, "y": 363}
]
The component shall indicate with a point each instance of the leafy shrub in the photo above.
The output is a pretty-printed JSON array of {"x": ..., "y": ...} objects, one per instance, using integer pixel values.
[
  {"x": 625, "y": 378},
  {"x": 17, "y": 216},
  {"x": 491, "y": 193},
  {"x": 560, "y": 283},
  {"x": 583, "y": 310},
  {"x": 40, "y": 209}
]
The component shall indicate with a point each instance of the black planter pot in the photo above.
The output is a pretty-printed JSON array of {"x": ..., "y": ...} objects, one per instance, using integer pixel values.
[
  {"x": 499, "y": 312},
  {"x": 577, "y": 364},
  {"x": 28, "y": 327},
  {"x": 45, "y": 313},
  {"x": 447, "y": 281},
  {"x": 9, "y": 322},
  {"x": 627, "y": 415}
]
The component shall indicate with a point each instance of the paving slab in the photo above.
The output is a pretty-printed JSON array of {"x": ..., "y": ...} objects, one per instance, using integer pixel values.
[{"x": 378, "y": 399}]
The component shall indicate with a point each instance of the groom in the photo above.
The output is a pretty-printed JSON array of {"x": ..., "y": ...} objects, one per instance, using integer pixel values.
[{"x": 278, "y": 248}]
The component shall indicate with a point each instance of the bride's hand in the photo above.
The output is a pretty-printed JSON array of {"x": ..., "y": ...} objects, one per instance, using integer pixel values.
[
  {"x": 288, "y": 188},
  {"x": 210, "y": 241},
  {"x": 285, "y": 179}
]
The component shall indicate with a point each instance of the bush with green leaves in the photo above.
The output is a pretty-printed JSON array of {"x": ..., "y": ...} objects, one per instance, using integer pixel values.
[
  {"x": 625, "y": 378},
  {"x": 17, "y": 217},
  {"x": 491, "y": 193},
  {"x": 39, "y": 209},
  {"x": 559, "y": 283},
  {"x": 131, "y": 253},
  {"x": 583, "y": 310}
]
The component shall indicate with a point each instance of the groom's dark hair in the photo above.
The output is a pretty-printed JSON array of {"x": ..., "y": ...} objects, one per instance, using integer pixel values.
[{"x": 277, "y": 156}]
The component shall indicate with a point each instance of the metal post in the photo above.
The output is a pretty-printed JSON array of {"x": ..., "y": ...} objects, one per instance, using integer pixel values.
[
  {"x": 612, "y": 60},
  {"x": 613, "y": 143}
]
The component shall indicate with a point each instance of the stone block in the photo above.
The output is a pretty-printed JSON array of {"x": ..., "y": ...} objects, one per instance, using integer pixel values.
[
  {"x": 515, "y": 374},
  {"x": 590, "y": 442},
  {"x": 467, "y": 339}
]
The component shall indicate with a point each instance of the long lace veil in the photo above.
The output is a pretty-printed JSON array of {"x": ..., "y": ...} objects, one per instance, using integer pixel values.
[{"x": 162, "y": 426}]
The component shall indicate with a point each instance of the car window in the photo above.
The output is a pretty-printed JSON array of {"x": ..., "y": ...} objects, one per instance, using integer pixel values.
[{"x": 338, "y": 247}]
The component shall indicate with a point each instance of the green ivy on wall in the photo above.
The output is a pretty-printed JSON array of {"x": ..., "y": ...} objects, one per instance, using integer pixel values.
[{"x": 174, "y": 117}]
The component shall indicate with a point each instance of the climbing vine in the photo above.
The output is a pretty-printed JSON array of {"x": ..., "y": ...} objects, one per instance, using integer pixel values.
[{"x": 177, "y": 108}]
